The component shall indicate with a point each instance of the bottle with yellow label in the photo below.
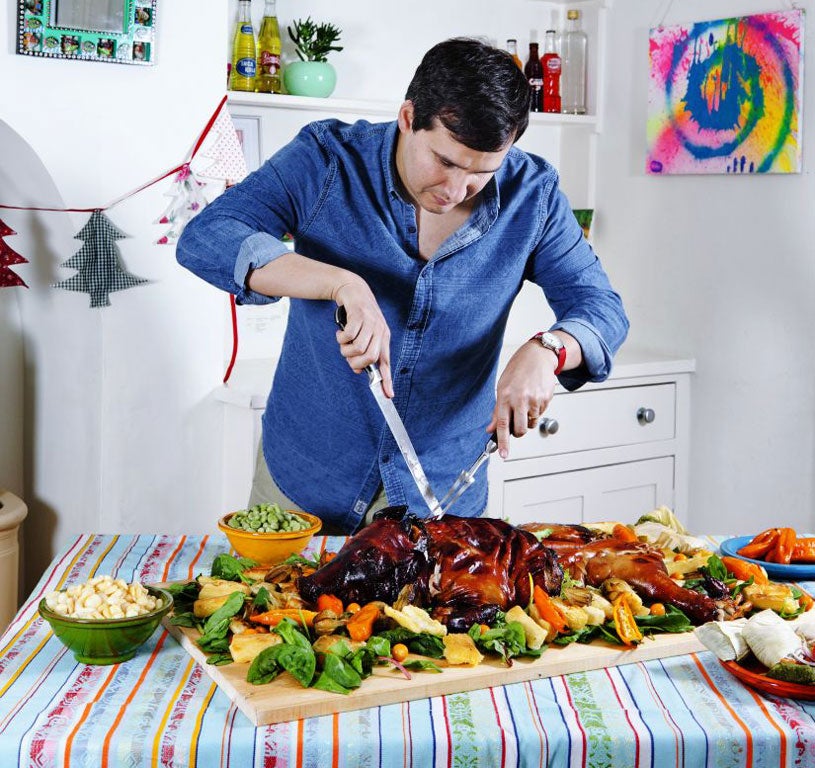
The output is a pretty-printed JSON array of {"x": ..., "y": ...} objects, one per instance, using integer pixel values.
[
  {"x": 244, "y": 51},
  {"x": 268, "y": 69}
]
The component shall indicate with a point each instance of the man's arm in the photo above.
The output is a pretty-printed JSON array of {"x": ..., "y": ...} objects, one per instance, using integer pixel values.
[
  {"x": 526, "y": 387},
  {"x": 366, "y": 337}
]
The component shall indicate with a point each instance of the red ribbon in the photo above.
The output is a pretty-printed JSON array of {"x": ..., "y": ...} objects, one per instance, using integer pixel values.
[{"x": 198, "y": 143}]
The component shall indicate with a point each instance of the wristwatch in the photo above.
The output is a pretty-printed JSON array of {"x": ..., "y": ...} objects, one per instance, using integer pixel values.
[{"x": 550, "y": 341}]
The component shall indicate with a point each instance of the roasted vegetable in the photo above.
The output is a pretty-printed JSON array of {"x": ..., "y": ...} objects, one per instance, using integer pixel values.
[
  {"x": 745, "y": 571},
  {"x": 535, "y": 634},
  {"x": 361, "y": 624},
  {"x": 245, "y": 646},
  {"x": 624, "y": 623},
  {"x": 547, "y": 610},
  {"x": 777, "y": 597},
  {"x": 460, "y": 650},
  {"x": 792, "y": 672}
]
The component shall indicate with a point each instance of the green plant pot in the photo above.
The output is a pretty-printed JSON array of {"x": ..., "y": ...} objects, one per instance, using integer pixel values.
[{"x": 309, "y": 78}]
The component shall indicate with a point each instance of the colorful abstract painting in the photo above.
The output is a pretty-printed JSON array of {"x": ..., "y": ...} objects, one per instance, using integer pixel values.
[{"x": 725, "y": 96}]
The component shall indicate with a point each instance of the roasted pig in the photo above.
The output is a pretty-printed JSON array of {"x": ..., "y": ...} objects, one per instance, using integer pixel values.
[{"x": 462, "y": 569}]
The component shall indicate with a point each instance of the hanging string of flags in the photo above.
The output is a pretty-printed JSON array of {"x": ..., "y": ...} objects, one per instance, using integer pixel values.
[{"x": 100, "y": 269}]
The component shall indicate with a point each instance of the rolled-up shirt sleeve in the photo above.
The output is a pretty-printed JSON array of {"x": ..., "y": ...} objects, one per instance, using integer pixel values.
[{"x": 578, "y": 290}]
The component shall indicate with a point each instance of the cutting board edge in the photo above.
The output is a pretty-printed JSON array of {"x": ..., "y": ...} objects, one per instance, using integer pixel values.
[{"x": 292, "y": 702}]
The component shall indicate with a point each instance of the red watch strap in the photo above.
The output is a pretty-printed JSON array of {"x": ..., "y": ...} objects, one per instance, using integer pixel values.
[{"x": 560, "y": 352}]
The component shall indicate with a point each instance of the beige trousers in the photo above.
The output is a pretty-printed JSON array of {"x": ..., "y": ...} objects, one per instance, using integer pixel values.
[{"x": 265, "y": 491}]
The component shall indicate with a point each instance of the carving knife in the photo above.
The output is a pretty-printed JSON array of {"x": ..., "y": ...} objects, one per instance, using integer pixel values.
[{"x": 397, "y": 428}]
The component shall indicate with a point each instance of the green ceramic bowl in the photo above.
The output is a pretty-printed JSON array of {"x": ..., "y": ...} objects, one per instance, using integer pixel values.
[{"x": 106, "y": 641}]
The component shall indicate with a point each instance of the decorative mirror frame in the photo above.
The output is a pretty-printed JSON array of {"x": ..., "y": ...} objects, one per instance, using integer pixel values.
[{"x": 39, "y": 35}]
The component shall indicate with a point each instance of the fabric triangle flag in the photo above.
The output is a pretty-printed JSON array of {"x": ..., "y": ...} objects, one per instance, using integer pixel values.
[
  {"x": 229, "y": 162},
  {"x": 100, "y": 268}
]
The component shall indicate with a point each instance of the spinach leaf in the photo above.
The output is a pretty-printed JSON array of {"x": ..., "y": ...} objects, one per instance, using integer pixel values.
[
  {"x": 417, "y": 642},
  {"x": 264, "y": 668},
  {"x": 298, "y": 661},
  {"x": 217, "y": 625},
  {"x": 379, "y": 645},
  {"x": 715, "y": 568},
  {"x": 261, "y": 601},
  {"x": 296, "y": 559},
  {"x": 186, "y": 619},
  {"x": 327, "y": 683},
  {"x": 220, "y": 659},
  {"x": 585, "y": 635},
  {"x": 341, "y": 671},
  {"x": 290, "y": 632},
  {"x": 507, "y": 640},
  {"x": 184, "y": 595},
  {"x": 674, "y": 620},
  {"x": 421, "y": 665},
  {"x": 231, "y": 568}
]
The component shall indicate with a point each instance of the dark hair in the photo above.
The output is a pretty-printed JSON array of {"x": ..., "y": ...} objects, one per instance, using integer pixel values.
[{"x": 477, "y": 92}]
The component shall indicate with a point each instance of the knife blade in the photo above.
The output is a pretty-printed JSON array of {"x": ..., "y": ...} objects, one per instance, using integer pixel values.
[{"x": 396, "y": 426}]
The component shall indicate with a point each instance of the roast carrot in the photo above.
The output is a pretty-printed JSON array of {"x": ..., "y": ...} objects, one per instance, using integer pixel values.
[
  {"x": 274, "y": 617},
  {"x": 761, "y": 544},
  {"x": 803, "y": 551},
  {"x": 547, "y": 610},
  {"x": 329, "y": 603},
  {"x": 623, "y": 533},
  {"x": 782, "y": 549},
  {"x": 361, "y": 624},
  {"x": 743, "y": 570}
]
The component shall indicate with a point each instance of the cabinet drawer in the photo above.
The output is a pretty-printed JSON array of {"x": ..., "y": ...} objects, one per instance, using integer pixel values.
[
  {"x": 602, "y": 418},
  {"x": 616, "y": 492}
]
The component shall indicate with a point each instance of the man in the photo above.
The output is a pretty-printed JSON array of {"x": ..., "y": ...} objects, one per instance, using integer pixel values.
[{"x": 424, "y": 230}]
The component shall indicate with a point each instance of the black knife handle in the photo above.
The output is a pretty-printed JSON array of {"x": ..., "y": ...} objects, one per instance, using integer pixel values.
[{"x": 341, "y": 318}]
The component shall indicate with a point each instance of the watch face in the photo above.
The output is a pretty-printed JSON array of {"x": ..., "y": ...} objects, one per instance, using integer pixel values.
[{"x": 550, "y": 340}]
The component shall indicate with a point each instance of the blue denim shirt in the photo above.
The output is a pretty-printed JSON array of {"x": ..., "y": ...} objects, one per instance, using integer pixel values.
[{"x": 334, "y": 188}]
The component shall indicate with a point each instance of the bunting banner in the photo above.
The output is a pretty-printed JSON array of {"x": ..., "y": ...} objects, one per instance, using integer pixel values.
[{"x": 99, "y": 264}]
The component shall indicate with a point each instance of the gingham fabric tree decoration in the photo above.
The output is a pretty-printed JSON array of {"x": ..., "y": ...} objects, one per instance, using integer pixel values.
[
  {"x": 8, "y": 258},
  {"x": 100, "y": 268},
  {"x": 187, "y": 199}
]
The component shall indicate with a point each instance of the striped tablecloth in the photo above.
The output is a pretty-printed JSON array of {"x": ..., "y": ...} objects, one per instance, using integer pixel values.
[{"x": 161, "y": 708}]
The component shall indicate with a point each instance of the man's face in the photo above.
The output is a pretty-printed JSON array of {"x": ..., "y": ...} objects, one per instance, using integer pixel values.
[{"x": 437, "y": 171}]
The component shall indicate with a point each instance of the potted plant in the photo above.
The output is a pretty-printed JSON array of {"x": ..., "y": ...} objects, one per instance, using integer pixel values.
[{"x": 312, "y": 75}]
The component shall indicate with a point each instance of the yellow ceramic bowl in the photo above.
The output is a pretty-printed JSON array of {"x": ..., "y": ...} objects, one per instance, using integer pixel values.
[{"x": 270, "y": 548}]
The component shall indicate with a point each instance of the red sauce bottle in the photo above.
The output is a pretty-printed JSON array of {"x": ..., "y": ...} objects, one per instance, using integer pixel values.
[{"x": 550, "y": 65}]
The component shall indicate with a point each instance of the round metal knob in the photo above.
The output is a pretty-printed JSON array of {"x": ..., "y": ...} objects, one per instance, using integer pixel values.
[
  {"x": 548, "y": 427},
  {"x": 646, "y": 415}
]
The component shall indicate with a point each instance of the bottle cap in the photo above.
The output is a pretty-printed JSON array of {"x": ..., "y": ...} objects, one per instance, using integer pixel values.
[
  {"x": 512, "y": 40},
  {"x": 573, "y": 14}
]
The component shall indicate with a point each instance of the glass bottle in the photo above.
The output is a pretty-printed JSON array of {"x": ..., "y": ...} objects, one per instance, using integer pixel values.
[
  {"x": 268, "y": 70},
  {"x": 512, "y": 48},
  {"x": 550, "y": 64},
  {"x": 574, "y": 53},
  {"x": 534, "y": 74},
  {"x": 244, "y": 51}
]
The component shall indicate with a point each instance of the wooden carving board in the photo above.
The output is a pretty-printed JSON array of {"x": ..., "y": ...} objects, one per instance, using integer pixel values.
[{"x": 285, "y": 699}]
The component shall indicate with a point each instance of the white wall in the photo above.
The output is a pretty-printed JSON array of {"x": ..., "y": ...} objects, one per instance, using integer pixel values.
[
  {"x": 721, "y": 269},
  {"x": 120, "y": 429},
  {"x": 120, "y": 433}
]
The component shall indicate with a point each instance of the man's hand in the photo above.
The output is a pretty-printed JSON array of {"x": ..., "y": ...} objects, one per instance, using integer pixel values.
[
  {"x": 525, "y": 388},
  {"x": 366, "y": 337}
]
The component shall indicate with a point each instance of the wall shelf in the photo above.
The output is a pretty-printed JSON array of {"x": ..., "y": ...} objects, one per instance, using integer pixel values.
[{"x": 370, "y": 107}]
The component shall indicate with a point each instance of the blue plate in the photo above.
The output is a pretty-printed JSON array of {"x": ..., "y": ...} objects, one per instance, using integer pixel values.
[{"x": 776, "y": 571}]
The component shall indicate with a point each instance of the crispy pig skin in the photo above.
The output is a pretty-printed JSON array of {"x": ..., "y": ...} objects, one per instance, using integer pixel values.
[
  {"x": 463, "y": 569},
  {"x": 636, "y": 563}
]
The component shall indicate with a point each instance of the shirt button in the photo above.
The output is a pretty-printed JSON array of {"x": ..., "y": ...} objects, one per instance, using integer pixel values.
[
  {"x": 403, "y": 371},
  {"x": 386, "y": 459},
  {"x": 411, "y": 230}
]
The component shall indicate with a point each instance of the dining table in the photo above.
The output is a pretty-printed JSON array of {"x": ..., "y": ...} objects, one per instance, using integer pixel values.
[{"x": 161, "y": 708}]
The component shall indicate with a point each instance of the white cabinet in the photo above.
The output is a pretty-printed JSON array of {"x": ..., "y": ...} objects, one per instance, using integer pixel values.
[
  {"x": 620, "y": 449},
  {"x": 609, "y": 451}
]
